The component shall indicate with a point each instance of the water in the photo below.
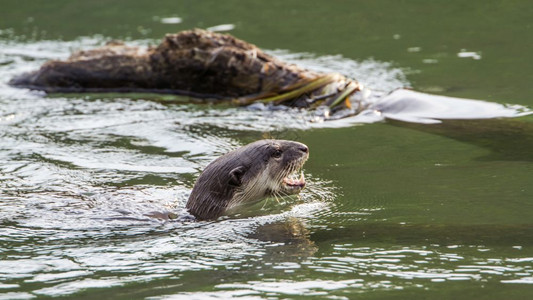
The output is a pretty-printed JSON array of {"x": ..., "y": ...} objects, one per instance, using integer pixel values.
[{"x": 392, "y": 209}]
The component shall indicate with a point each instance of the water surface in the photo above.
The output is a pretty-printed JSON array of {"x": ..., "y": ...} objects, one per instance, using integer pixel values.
[{"x": 392, "y": 209}]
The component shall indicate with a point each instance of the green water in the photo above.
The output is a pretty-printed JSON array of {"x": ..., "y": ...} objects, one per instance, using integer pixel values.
[{"x": 392, "y": 209}]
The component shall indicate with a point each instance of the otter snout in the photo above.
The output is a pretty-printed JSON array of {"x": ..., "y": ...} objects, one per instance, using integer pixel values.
[{"x": 303, "y": 148}]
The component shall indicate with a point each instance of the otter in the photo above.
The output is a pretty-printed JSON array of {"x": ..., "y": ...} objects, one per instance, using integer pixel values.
[{"x": 247, "y": 175}]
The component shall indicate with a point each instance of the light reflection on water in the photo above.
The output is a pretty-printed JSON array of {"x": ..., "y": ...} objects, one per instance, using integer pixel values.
[
  {"x": 366, "y": 268},
  {"x": 79, "y": 175}
]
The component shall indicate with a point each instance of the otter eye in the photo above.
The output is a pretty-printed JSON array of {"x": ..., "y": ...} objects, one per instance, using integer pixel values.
[{"x": 276, "y": 154}]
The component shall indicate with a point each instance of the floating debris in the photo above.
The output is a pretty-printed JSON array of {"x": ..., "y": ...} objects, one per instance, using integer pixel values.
[
  {"x": 466, "y": 54},
  {"x": 222, "y": 27},
  {"x": 171, "y": 20}
]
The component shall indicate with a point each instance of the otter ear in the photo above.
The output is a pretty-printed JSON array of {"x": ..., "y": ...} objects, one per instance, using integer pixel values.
[{"x": 235, "y": 176}]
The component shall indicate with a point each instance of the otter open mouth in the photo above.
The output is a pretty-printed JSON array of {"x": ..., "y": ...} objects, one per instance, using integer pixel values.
[{"x": 293, "y": 182}]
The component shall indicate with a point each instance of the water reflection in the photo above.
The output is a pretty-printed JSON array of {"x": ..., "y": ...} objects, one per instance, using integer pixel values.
[{"x": 507, "y": 139}]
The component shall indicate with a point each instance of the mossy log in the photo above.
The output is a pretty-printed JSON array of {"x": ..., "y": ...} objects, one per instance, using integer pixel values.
[{"x": 196, "y": 63}]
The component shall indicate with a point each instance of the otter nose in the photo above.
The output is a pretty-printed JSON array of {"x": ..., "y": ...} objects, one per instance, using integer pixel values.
[{"x": 303, "y": 148}]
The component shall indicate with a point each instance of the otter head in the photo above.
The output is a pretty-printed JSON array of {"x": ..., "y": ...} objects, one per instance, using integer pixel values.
[{"x": 247, "y": 175}]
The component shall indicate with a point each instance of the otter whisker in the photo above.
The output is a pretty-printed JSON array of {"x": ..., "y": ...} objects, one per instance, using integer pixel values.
[
  {"x": 264, "y": 204},
  {"x": 276, "y": 197}
]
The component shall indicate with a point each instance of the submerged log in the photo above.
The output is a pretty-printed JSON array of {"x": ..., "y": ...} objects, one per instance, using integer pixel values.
[{"x": 196, "y": 63}]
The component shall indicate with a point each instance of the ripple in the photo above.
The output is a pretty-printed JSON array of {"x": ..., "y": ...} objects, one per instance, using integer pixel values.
[
  {"x": 76, "y": 286},
  {"x": 283, "y": 288},
  {"x": 16, "y": 296},
  {"x": 416, "y": 264}
]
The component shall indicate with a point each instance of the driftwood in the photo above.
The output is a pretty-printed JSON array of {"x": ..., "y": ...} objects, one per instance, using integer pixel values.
[{"x": 196, "y": 63}]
